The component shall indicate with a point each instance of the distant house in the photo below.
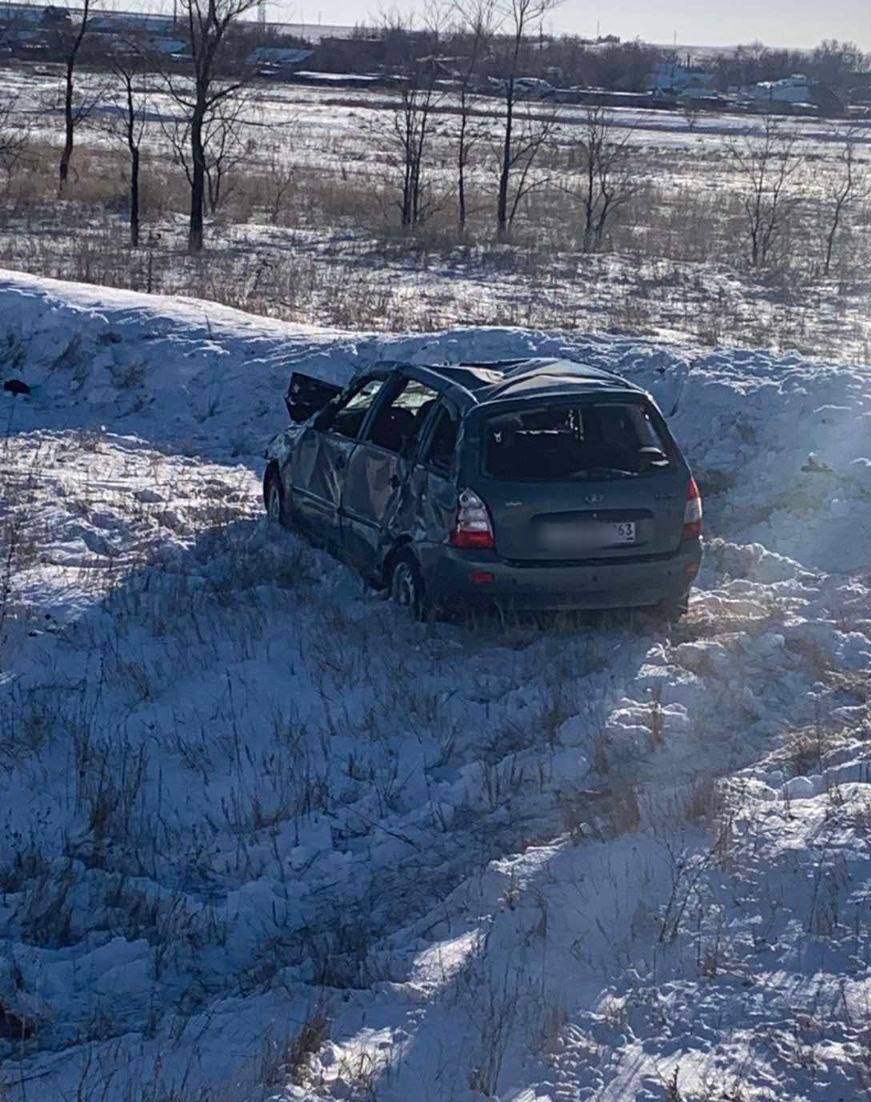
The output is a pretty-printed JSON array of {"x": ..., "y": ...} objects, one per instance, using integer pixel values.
[
  {"x": 353, "y": 54},
  {"x": 793, "y": 92},
  {"x": 672, "y": 78},
  {"x": 794, "y": 89},
  {"x": 283, "y": 57}
]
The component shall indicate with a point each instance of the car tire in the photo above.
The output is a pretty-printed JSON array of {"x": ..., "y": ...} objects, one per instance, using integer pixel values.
[
  {"x": 273, "y": 496},
  {"x": 407, "y": 587}
]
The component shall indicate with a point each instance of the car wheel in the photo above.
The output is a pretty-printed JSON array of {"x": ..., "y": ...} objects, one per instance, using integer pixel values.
[
  {"x": 273, "y": 496},
  {"x": 406, "y": 586}
]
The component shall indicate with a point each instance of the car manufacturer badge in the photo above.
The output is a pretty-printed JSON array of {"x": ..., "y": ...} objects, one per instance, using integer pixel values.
[{"x": 594, "y": 499}]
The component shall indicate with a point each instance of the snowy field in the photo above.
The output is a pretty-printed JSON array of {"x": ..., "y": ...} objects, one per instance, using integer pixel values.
[
  {"x": 312, "y": 111},
  {"x": 263, "y": 837},
  {"x": 308, "y": 229}
]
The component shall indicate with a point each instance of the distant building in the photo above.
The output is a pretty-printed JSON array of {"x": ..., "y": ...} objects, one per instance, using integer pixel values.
[
  {"x": 794, "y": 89},
  {"x": 672, "y": 78},
  {"x": 794, "y": 92},
  {"x": 359, "y": 53},
  {"x": 278, "y": 61}
]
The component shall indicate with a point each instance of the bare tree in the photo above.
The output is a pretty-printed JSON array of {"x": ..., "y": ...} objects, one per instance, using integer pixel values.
[
  {"x": 606, "y": 171},
  {"x": 690, "y": 111},
  {"x": 767, "y": 161},
  {"x": 226, "y": 147},
  {"x": 13, "y": 138},
  {"x": 73, "y": 114},
  {"x": 223, "y": 144},
  {"x": 282, "y": 179},
  {"x": 848, "y": 185},
  {"x": 128, "y": 126},
  {"x": 414, "y": 61},
  {"x": 411, "y": 122},
  {"x": 202, "y": 98},
  {"x": 533, "y": 129},
  {"x": 476, "y": 27},
  {"x": 520, "y": 16}
]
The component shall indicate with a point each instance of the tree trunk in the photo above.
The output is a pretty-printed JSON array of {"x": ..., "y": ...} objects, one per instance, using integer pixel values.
[
  {"x": 830, "y": 239},
  {"x": 589, "y": 198},
  {"x": 134, "y": 197},
  {"x": 69, "y": 129},
  {"x": 756, "y": 231},
  {"x": 198, "y": 184},
  {"x": 419, "y": 148},
  {"x": 505, "y": 173},
  {"x": 407, "y": 186},
  {"x": 69, "y": 115},
  {"x": 461, "y": 163}
]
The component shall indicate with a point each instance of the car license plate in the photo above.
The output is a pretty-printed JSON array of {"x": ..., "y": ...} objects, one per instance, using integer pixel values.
[{"x": 624, "y": 532}]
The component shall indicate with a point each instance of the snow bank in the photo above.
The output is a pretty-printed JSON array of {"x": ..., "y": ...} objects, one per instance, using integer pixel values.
[
  {"x": 261, "y": 832},
  {"x": 782, "y": 445}
]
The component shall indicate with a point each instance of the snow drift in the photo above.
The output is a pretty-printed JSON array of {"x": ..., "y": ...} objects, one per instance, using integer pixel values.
[{"x": 265, "y": 838}]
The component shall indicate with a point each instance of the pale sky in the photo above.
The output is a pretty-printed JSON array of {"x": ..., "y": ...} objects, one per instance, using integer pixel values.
[{"x": 696, "y": 22}]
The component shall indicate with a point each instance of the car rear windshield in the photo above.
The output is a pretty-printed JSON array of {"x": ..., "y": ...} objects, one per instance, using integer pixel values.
[{"x": 592, "y": 440}]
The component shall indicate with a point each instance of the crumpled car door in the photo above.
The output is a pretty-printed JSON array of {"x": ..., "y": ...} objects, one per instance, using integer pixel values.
[
  {"x": 373, "y": 481},
  {"x": 320, "y": 462}
]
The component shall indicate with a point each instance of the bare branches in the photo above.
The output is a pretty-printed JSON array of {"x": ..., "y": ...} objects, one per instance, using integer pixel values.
[
  {"x": 13, "y": 137},
  {"x": 126, "y": 119},
  {"x": 72, "y": 115},
  {"x": 223, "y": 141},
  {"x": 476, "y": 22},
  {"x": 135, "y": 109},
  {"x": 850, "y": 184},
  {"x": 532, "y": 131},
  {"x": 225, "y": 144},
  {"x": 409, "y": 131},
  {"x": 607, "y": 177},
  {"x": 520, "y": 17},
  {"x": 205, "y": 101},
  {"x": 766, "y": 160},
  {"x": 411, "y": 121}
]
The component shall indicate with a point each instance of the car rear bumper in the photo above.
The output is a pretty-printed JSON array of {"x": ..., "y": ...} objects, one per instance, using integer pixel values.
[{"x": 460, "y": 578}]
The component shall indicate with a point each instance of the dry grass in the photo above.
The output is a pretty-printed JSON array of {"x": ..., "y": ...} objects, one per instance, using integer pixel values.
[
  {"x": 289, "y": 1061},
  {"x": 309, "y": 242}
]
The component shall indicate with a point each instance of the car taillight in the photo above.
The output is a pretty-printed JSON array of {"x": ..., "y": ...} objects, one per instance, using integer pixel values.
[
  {"x": 692, "y": 514},
  {"x": 472, "y": 527}
]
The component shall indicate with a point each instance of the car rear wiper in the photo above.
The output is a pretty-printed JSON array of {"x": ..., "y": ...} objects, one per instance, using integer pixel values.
[{"x": 604, "y": 472}]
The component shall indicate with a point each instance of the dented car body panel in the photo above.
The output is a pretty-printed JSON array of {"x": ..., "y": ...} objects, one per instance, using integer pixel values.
[{"x": 584, "y": 487}]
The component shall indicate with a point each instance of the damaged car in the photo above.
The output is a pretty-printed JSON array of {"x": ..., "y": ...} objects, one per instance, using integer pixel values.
[{"x": 538, "y": 484}]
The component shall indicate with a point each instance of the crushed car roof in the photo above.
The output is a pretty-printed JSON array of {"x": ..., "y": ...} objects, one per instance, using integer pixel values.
[{"x": 527, "y": 378}]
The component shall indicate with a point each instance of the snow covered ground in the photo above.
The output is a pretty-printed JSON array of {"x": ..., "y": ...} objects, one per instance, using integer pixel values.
[
  {"x": 308, "y": 231},
  {"x": 263, "y": 837}
]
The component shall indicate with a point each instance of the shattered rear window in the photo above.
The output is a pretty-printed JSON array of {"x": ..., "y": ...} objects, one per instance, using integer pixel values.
[{"x": 590, "y": 441}]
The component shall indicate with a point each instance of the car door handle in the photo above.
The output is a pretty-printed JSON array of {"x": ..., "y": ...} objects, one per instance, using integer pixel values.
[
  {"x": 395, "y": 481},
  {"x": 340, "y": 462}
]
